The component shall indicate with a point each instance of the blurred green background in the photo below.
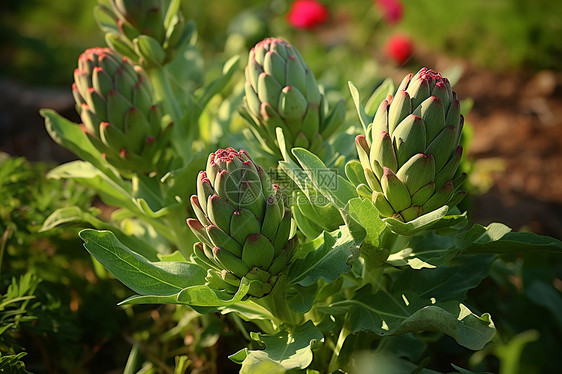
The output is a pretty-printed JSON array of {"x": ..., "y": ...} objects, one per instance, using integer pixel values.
[{"x": 40, "y": 40}]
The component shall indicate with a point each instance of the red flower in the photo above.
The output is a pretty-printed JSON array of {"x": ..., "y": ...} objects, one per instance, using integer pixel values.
[
  {"x": 391, "y": 10},
  {"x": 398, "y": 48},
  {"x": 307, "y": 14}
]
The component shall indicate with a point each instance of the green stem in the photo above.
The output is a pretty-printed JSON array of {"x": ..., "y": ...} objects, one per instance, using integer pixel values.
[
  {"x": 163, "y": 92},
  {"x": 344, "y": 332}
]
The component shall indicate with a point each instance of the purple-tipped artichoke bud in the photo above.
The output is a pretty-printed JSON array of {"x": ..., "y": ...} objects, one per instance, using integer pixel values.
[
  {"x": 415, "y": 153},
  {"x": 148, "y": 32},
  {"x": 281, "y": 91},
  {"x": 242, "y": 224},
  {"x": 118, "y": 111}
]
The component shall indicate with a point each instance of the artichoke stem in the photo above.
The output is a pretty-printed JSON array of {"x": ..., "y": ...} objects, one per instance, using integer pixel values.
[
  {"x": 277, "y": 305},
  {"x": 344, "y": 332}
]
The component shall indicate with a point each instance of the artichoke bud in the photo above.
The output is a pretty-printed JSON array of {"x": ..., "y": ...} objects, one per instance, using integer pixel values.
[
  {"x": 281, "y": 91},
  {"x": 116, "y": 105},
  {"x": 414, "y": 154},
  {"x": 135, "y": 20},
  {"x": 242, "y": 217}
]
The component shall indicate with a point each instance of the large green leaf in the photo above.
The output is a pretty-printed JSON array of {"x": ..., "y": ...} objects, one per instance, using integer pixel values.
[
  {"x": 75, "y": 215},
  {"x": 430, "y": 249},
  {"x": 498, "y": 238},
  {"x": 137, "y": 273},
  {"x": 421, "y": 300},
  {"x": 198, "y": 295},
  {"x": 283, "y": 351},
  {"x": 327, "y": 262}
]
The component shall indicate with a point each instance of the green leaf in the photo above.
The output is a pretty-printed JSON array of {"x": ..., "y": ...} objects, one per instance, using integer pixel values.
[
  {"x": 437, "y": 219},
  {"x": 75, "y": 215},
  {"x": 367, "y": 216},
  {"x": 545, "y": 295},
  {"x": 300, "y": 298},
  {"x": 171, "y": 13},
  {"x": 85, "y": 173},
  {"x": 70, "y": 136},
  {"x": 137, "y": 273},
  {"x": 386, "y": 88},
  {"x": 327, "y": 262},
  {"x": 363, "y": 117},
  {"x": 421, "y": 300},
  {"x": 198, "y": 295},
  {"x": 230, "y": 67},
  {"x": 497, "y": 238},
  {"x": 355, "y": 173},
  {"x": 283, "y": 351},
  {"x": 333, "y": 186},
  {"x": 385, "y": 362}
]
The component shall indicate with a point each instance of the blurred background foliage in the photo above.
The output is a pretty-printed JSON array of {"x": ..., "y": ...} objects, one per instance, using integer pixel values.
[{"x": 40, "y": 39}]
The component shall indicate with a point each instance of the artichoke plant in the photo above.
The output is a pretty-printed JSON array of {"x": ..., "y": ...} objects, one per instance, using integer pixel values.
[
  {"x": 116, "y": 105},
  {"x": 414, "y": 154},
  {"x": 242, "y": 224},
  {"x": 149, "y": 32},
  {"x": 281, "y": 91}
]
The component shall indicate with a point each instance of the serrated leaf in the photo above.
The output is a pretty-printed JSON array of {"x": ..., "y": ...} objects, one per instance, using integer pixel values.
[
  {"x": 327, "y": 262},
  {"x": 283, "y": 351},
  {"x": 137, "y": 273}
]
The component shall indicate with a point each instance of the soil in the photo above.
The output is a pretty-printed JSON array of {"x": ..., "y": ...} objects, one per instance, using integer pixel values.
[{"x": 516, "y": 146}]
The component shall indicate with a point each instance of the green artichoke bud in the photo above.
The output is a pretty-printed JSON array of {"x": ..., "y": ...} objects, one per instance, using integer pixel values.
[
  {"x": 148, "y": 32},
  {"x": 115, "y": 102},
  {"x": 281, "y": 91},
  {"x": 415, "y": 153},
  {"x": 242, "y": 224}
]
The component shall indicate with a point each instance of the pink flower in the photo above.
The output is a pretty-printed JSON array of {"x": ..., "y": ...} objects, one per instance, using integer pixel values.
[
  {"x": 391, "y": 10},
  {"x": 398, "y": 48},
  {"x": 307, "y": 14}
]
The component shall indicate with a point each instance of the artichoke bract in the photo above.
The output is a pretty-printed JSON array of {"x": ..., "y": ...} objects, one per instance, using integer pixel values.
[
  {"x": 281, "y": 91},
  {"x": 116, "y": 105},
  {"x": 242, "y": 224},
  {"x": 411, "y": 164},
  {"x": 149, "y": 32}
]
